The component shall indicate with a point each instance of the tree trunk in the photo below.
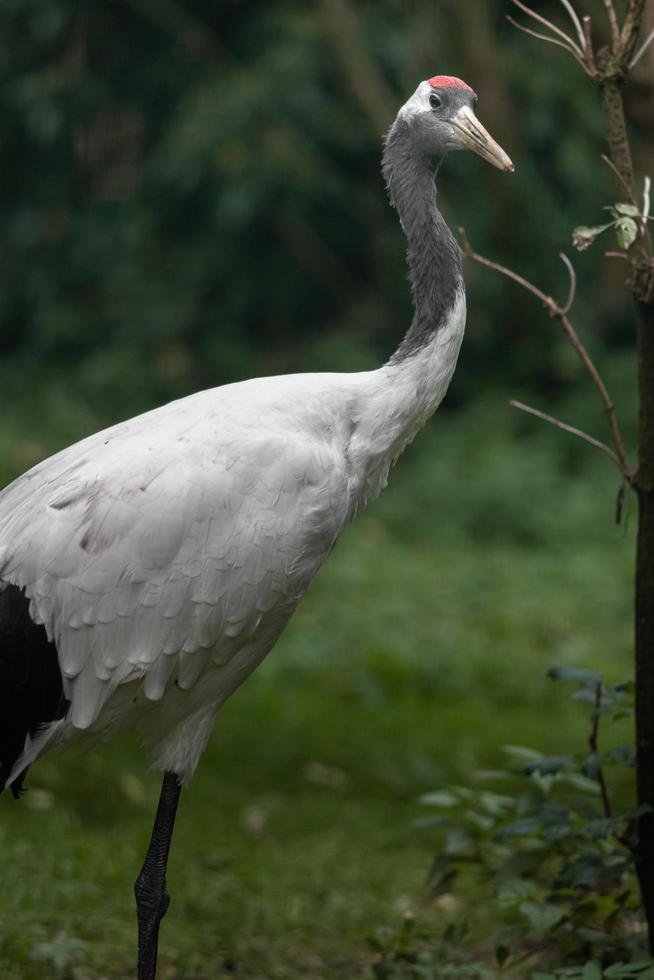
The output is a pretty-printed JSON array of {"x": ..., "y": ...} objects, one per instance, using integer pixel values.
[
  {"x": 645, "y": 613},
  {"x": 641, "y": 283},
  {"x": 616, "y": 130}
]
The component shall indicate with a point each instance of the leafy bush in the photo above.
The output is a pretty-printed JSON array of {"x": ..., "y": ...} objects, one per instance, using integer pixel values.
[{"x": 549, "y": 851}]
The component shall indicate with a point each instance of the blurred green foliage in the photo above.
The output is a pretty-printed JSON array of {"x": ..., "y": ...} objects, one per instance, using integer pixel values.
[{"x": 191, "y": 195}]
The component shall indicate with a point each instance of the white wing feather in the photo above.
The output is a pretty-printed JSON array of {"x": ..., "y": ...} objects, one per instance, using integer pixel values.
[
  {"x": 165, "y": 555},
  {"x": 168, "y": 544}
]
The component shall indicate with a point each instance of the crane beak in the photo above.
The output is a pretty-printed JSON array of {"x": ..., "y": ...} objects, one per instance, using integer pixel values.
[{"x": 472, "y": 136}]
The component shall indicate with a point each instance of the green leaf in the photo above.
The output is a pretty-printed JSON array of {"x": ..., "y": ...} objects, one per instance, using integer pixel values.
[
  {"x": 440, "y": 865},
  {"x": 547, "y": 765},
  {"x": 556, "y": 831},
  {"x": 630, "y": 210},
  {"x": 444, "y": 884},
  {"x": 624, "y": 755},
  {"x": 623, "y": 713},
  {"x": 580, "y": 782},
  {"x": 502, "y": 954},
  {"x": 440, "y": 797},
  {"x": 584, "y": 236},
  {"x": 458, "y": 842},
  {"x": 602, "y": 826},
  {"x": 482, "y": 821},
  {"x": 519, "y": 828},
  {"x": 515, "y": 890},
  {"x": 592, "y": 765},
  {"x": 542, "y": 918},
  {"x": 592, "y": 971},
  {"x": 495, "y": 804},
  {"x": 587, "y": 694},
  {"x": 627, "y": 231}
]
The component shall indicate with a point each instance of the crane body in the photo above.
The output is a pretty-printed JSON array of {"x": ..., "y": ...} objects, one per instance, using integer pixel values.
[
  {"x": 147, "y": 570},
  {"x": 165, "y": 555}
]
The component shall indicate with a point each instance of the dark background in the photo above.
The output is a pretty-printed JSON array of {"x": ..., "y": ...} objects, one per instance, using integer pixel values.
[{"x": 190, "y": 194}]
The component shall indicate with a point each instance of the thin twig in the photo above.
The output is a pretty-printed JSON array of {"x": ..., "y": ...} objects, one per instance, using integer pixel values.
[
  {"x": 619, "y": 455},
  {"x": 469, "y": 251},
  {"x": 573, "y": 282},
  {"x": 548, "y": 23},
  {"x": 593, "y": 745},
  {"x": 590, "y": 68},
  {"x": 616, "y": 255},
  {"x": 575, "y": 20},
  {"x": 647, "y": 188},
  {"x": 610, "y": 163},
  {"x": 647, "y": 235},
  {"x": 628, "y": 837},
  {"x": 619, "y": 502},
  {"x": 558, "y": 424},
  {"x": 642, "y": 49},
  {"x": 631, "y": 29},
  {"x": 551, "y": 40},
  {"x": 613, "y": 21}
]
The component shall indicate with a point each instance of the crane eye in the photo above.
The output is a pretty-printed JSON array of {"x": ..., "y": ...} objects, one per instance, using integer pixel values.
[{"x": 435, "y": 101}]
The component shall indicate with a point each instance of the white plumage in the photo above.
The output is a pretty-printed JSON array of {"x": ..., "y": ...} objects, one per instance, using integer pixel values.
[{"x": 165, "y": 555}]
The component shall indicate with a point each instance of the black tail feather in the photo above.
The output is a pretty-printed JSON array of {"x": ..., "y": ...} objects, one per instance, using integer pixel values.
[{"x": 31, "y": 690}]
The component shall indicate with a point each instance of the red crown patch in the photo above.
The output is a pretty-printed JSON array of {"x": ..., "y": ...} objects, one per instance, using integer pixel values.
[{"x": 449, "y": 81}]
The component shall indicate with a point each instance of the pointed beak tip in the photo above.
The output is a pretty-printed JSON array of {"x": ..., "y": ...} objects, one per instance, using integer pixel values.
[
  {"x": 502, "y": 162},
  {"x": 472, "y": 136}
]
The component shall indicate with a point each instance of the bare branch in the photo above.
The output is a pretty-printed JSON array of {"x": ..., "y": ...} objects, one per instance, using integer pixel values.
[
  {"x": 547, "y": 301},
  {"x": 616, "y": 255},
  {"x": 593, "y": 745},
  {"x": 642, "y": 49},
  {"x": 631, "y": 28},
  {"x": 551, "y": 40},
  {"x": 550, "y": 26},
  {"x": 575, "y": 20},
  {"x": 646, "y": 217},
  {"x": 558, "y": 424},
  {"x": 573, "y": 282},
  {"x": 647, "y": 187},
  {"x": 590, "y": 67},
  {"x": 618, "y": 453},
  {"x": 610, "y": 163},
  {"x": 619, "y": 502},
  {"x": 613, "y": 23}
]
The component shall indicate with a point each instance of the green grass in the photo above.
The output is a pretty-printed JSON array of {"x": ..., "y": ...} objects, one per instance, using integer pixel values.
[{"x": 419, "y": 652}]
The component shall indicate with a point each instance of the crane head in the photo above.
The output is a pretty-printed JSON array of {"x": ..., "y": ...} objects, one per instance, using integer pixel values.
[{"x": 441, "y": 114}]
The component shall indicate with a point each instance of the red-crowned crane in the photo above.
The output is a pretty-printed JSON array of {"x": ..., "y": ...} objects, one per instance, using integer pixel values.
[{"x": 148, "y": 569}]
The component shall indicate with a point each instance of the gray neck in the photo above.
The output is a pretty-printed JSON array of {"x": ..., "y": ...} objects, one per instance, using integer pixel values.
[{"x": 433, "y": 256}]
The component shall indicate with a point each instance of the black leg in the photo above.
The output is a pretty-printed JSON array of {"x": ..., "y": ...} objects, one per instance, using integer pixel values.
[{"x": 152, "y": 899}]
